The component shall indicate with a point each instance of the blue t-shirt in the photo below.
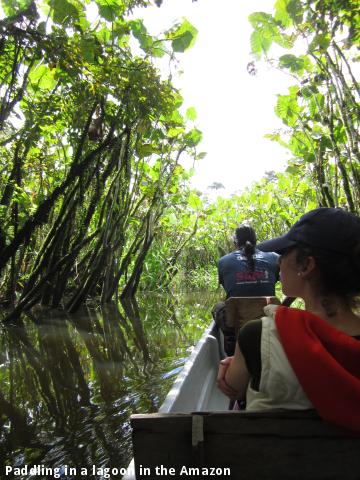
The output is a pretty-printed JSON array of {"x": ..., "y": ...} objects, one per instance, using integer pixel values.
[{"x": 238, "y": 280}]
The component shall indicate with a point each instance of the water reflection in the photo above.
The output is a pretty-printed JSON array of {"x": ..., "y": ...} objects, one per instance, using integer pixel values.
[{"x": 68, "y": 384}]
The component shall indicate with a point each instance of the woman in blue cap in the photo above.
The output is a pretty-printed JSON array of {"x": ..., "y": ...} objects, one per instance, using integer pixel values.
[{"x": 300, "y": 359}]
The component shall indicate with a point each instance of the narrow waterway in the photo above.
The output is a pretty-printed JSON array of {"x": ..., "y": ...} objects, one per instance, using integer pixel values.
[{"x": 68, "y": 384}]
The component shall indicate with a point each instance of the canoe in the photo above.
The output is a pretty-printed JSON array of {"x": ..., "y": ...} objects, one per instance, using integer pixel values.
[
  {"x": 195, "y": 435},
  {"x": 195, "y": 387}
]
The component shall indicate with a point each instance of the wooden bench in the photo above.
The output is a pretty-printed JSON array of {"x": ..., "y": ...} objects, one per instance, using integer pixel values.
[{"x": 272, "y": 445}]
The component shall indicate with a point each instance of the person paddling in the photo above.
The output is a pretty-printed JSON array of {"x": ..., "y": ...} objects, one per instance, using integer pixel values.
[
  {"x": 245, "y": 272},
  {"x": 300, "y": 359}
]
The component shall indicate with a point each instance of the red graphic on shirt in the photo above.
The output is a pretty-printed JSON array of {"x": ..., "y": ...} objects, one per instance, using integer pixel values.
[{"x": 255, "y": 276}]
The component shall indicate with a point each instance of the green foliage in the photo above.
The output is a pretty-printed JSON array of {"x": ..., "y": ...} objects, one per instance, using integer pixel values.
[
  {"x": 90, "y": 144},
  {"x": 13, "y": 7},
  {"x": 93, "y": 198},
  {"x": 185, "y": 255},
  {"x": 321, "y": 111},
  {"x": 65, "y": 12}
]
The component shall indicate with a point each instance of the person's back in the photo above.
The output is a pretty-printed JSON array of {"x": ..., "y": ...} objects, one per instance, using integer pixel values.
[
  {"x": 239, "y": 280},
  {"x": 248, "y": 272}
]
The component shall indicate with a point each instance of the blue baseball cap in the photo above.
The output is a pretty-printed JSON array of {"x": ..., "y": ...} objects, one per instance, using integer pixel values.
[{"x": 332, "y": 229}]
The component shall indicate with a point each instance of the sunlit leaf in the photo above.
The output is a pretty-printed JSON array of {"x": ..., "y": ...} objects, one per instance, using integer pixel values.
[
  {"x": 193, "y": 137},
  {"x": 42, "y": 77},
  {"x": 281, "y": 12},
  {"x": 183, "y": 37},
  {"x": 259, "y": 18},
  {"x": 65, "y": 10},
  {"x": 174, "y": 132},
  {"x": 259, "y": 44},
  {"x": 177, "y": 118},
  {"x": 191, "y": 114},
  {"x": 110, "y": 9},
  {"x": 139, "y": 31},
  {"x": 12, "y": 7},
  {"x": 194, "y": 201}
]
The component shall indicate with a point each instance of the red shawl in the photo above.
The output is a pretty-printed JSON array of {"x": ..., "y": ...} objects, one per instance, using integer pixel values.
[{"x": 326, "y": 363}]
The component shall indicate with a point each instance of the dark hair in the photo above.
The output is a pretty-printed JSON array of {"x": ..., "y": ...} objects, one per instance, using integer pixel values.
[
  {"x": 245, "y": 237},
  {"x": 338, "y": 273}
]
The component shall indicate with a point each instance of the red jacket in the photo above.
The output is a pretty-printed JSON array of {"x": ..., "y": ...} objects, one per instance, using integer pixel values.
[{"x": 326, "y": 363}]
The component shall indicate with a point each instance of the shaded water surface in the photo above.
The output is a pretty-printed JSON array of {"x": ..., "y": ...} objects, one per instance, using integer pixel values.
[{"x": 68, "y": 384}]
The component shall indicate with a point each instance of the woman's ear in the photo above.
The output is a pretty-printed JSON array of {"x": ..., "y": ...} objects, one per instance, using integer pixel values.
[{"x": 308, "y": 267}]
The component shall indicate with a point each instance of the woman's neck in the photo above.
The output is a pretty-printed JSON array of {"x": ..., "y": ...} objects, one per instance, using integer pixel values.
[{"x": 335, "y": 311}]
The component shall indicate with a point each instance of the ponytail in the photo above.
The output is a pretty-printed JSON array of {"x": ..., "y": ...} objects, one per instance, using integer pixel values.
[
  {"x": 249, "y": 250},
  {"x": 246, "y": 239}
]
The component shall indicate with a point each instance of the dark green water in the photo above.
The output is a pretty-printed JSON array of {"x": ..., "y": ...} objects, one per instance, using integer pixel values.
[{"x": 68, "y": 384}]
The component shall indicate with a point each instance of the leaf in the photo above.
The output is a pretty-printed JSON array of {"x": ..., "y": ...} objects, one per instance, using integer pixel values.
[
  {"x": 260, "y": 44},
  {"x": 293, "y": 63},
  {"x": 146, "y": 149},
  {"x": 321, "y": 41},
  {"x": 307, "y": 92},
  {"x": 275, "y": 137},
  {"x": 191, "y": 114},
  {"x": 309, "y": 157},
  {"x": 194, "y": 201},
  {"x": 103, "y": 35},
  {"x": 174, "y": 132},
  {"x": 193, "y": 137},
  {"x": 340, "y": 134},
  {"x": 64, "y": 11},
  {"x": 259, "y": 18},
  {"x": 139, "y": 31},
  {"x": 295, "y": 11},
  {"x": 292, "y": 169},
  {"x": 42, "y": 77},
  {"x": 183, "y": 37},
  {"x": 110, "y": 9},
  {"x": 287, "y": 109},
  {"x": 316, "y": 104},
  {"x": 325, "y": 143},
  {"x": 90, "y": 48},
  {"x": 13, "y": 7},
  {"x": 281, "y": 13},
  {"x": 177, "y": 118},
  {"x": 157, "y": 51}
]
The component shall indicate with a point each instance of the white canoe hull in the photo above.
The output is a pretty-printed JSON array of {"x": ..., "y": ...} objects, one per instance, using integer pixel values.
[{"x": 195, "y": 387}]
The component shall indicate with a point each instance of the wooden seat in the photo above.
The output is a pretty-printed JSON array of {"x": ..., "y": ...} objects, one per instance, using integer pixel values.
[
  {"x": 271, "y": 445},
  {"x": 239, "y": 310}
]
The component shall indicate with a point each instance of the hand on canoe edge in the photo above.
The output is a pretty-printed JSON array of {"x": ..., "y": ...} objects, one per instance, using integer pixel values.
[{"x": 220, "y": 380}]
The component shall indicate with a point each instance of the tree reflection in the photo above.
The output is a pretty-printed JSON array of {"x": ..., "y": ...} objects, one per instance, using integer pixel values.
[{"x": 69, "y": 383}]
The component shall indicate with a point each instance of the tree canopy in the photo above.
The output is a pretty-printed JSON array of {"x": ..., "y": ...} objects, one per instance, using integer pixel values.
[
  {"x": 90, "y": 141},
  {"x": 94, "y": 201},
  {"x": 321, "y": 110}
]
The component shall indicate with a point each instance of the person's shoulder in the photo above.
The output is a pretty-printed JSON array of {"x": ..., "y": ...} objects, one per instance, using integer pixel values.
[
  {"x": 250, "y": 332},
  {"x": 272, "y": 256},
  {"x": 228, "y": 256},
  {"x": 251, "y": 326}
]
